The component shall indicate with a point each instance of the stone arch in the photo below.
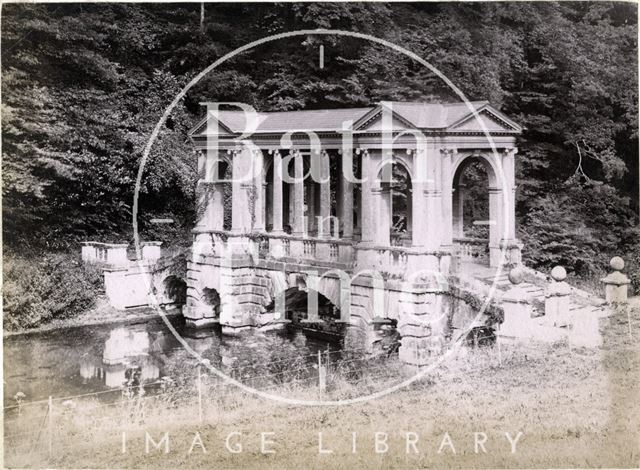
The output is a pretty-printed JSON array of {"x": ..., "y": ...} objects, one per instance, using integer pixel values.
[
  {"x": 174, "y": 290},
  {"x": 279, "y": 283},
  {"x": 324, "y": 324},
  {"x": 394, "y": 187},
  {"x": 464, "y": 161},
  {"x": 476, "y": 246}
]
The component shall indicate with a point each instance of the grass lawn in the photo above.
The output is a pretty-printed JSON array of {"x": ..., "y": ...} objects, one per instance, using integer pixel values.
[{"x": 574, "y": 408}]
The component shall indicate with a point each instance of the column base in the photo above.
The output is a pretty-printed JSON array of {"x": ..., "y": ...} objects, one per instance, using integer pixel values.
[
  {"x": 236, "y": 330},
  {"x": 201, "y": 322}
]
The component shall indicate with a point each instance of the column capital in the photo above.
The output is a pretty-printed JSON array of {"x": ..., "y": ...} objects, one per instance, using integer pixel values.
[
  {"x": 510, "y": 151},
  {"x": 448, "y": 151}
]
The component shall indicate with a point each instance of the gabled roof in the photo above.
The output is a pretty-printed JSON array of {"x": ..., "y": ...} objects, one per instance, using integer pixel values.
[{"x": 426, "y": 116}]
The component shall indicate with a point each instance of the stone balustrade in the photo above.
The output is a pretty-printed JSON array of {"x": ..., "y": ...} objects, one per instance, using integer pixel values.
[
  {"x": 114, "y": 254},
  {"x": 473, "y": 249}
]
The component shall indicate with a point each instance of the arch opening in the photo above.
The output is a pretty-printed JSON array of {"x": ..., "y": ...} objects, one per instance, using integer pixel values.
[
  {"x": 474, "y": 219},
  {"x": 211, "y": 298},
  {"x": 175, "y": 290},
  {"x": 296, "y": 307},
  {"x": 396, "y": 190}
]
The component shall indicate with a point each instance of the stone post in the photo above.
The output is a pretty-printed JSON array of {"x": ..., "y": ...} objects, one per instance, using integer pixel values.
[
  {"x": 259, "y": 205},
  {"x": 447, "y": 197},
  {"x": 557, "y": 298},
  {"x": 311, "y": 207},
  {"x": 346, "y": 207},
  {"x": 457, "y": 211},
  {"x": 277, "y": 192},
  {"x": 367, "y": 210},
  {"x": 382, "y": 226},
  {"x": 151, "y": 251},
  {"x": 616, "y": 283},
  {"x": 516, "y": 304},
  {"x": 432, "y": 190},
  {"x": 496, "y": 228},
  {"x": 214, "y": 207},
  {"x": 325, "y": 197},
  {"x": 298, "y": 196},
  {"x": 242, "y": 186}
]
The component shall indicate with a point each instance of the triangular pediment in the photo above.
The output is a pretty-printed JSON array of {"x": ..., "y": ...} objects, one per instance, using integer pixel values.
[
  {"x": 486, "y": 118},
  {"x": 379, "y": 117},
  {"x": 209, "y": 125}
]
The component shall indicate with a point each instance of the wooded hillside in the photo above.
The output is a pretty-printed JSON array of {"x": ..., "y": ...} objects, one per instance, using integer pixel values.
[{"x": 83, "y": 85}]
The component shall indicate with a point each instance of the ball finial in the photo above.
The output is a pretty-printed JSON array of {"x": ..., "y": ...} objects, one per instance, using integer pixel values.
[
  {"x": 516, "y": 276},
  {"x": 558, "y": 273},
  {"x": 617, "y": 263}
]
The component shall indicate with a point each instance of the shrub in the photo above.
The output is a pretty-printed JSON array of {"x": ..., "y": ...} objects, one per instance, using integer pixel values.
[{"x": 43, "y": 287}]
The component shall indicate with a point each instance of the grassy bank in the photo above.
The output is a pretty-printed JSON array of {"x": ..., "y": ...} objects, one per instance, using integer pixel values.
[{"x": 575, "y": 408}]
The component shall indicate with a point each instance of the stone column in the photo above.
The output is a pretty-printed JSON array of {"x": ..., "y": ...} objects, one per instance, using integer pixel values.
[
  {"x": 508, "y": 166},
  {"x": 458, "y": 211},
  {"x": 346, "y": 202},
  {"x": 259, "y": 204},
  {"x": 367, "y": 209},
  {"x": 447, "y": 197},
  {"x": 214, "y": 212},
  {"x": 507, "y": 222},
  {"x": 210, "y": 205},
  {"x": 242, "y": 187},
  {"x": 420, "y": 224},
  {"x": 383, "y": 204},
  {"x": 616, "y": 284},
  {"x": 346, "y": 206},
  {"x": 325, "y": 197},
  {"x": 434, "y": 203},
  {"x": 277, "y": 192},
  {"x": 311, "y": 207},
  {"x": 557, "y": 298},
  {"x": 496, "y": 227},
  {"x": 426, "y": 201},
  {"x": 298, "y": 196}
]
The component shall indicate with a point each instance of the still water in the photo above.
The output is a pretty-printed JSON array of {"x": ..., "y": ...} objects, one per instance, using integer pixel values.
[{"x": 88, "y": 359}]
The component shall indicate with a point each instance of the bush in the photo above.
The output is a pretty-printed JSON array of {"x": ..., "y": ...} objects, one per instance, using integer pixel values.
[{"x": 40, "y": 288}]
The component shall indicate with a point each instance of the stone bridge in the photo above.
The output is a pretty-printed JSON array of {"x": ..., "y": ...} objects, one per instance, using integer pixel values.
[{"x": 360, "y": 216}]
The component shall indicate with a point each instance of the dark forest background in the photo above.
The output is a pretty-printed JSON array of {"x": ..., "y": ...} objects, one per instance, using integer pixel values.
[{"x": 84, "y": 84}]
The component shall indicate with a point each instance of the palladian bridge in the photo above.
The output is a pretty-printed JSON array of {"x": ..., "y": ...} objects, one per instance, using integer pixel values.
[{"x": 362, "y": 209}]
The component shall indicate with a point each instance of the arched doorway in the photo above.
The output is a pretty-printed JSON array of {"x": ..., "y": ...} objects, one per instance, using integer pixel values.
[
  {"x": 475, "y": 210},
  {"x": 395, "y": 205}
]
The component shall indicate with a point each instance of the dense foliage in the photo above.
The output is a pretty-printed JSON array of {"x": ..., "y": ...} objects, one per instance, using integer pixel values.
[
  {"x": 38, "y": 289},
  {"x": 83, "y": 85}
]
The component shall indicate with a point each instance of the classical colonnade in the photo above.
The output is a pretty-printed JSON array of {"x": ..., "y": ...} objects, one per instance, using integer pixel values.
[{"x": 300, "y": 193}]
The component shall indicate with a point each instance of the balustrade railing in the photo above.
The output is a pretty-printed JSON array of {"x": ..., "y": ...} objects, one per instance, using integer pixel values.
[
  {"x": 286, "y": 245},
  {"x": 400, "y": 239},
  {"x": 309, "y": 247},
  {"x": 473, "y": 249},
  {"x": 334, "y": 251}
]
